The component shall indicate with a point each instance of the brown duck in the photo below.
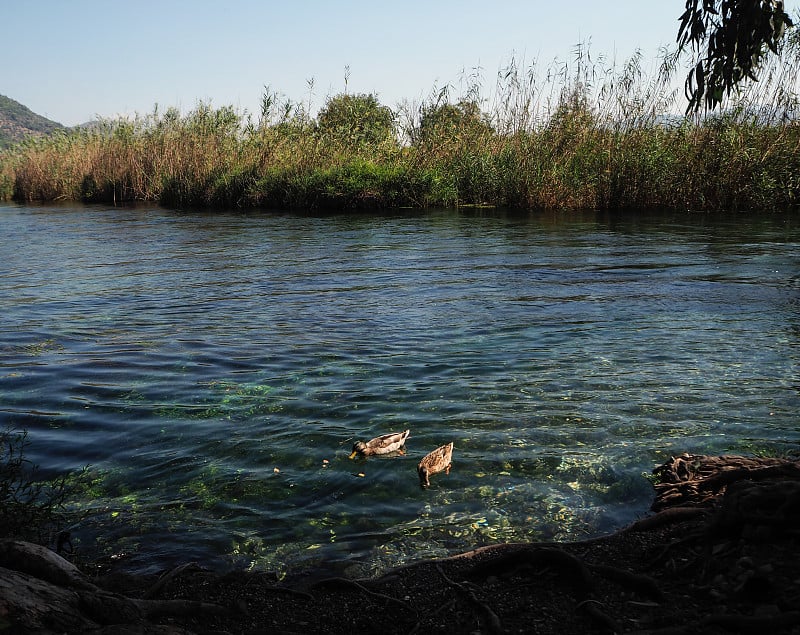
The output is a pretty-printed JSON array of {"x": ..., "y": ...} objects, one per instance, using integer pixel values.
[
  {"x": 437, "y": 461},
  {"x": 392, "y": 442}
]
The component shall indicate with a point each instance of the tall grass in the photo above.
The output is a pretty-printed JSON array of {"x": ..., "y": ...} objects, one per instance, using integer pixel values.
[{"x": 580, "y": 134}]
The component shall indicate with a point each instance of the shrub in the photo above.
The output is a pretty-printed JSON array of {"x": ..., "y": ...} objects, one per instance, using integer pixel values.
[{"x": 357, "y": 120}]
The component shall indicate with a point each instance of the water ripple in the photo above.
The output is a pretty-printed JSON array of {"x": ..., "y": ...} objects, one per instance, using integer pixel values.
[{"x": 214, "y": 370}]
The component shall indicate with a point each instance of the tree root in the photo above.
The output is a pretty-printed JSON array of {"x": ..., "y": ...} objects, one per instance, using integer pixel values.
[
  {"x": 592, "y": 609},
  {"x": 636, "y": 582},
  {"x": 491, "y": 619},
  {"x": 353, "y": 584},
  {"x": 447, "y": 605},
  {"x": 168, "y": 577},
  {"x": 667, "y": 517},
  {"x": 576, "y": 572},
  {"x": 43, "y": 590},
  {"x": 508, "y": 564},
  {"x": 662, "y": 555},
  {"x": 698, "y": 480}
]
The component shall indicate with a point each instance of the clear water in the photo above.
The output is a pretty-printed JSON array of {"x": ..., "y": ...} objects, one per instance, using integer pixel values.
[{"x": 213, "y": 371}]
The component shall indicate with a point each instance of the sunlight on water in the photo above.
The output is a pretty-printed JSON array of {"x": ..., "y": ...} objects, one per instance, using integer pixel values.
[{"x": 214, "y": 370}]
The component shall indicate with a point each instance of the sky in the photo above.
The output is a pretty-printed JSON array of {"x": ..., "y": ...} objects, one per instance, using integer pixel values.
[{"x": 75, "y": 60}]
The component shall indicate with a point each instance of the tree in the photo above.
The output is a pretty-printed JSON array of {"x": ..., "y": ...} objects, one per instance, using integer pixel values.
[
  {"x": 736, "y": 35},
  {"x": 357, "y": 119}
]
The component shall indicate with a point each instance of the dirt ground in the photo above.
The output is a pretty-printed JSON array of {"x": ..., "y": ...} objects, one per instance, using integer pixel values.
[{"x": 720, "y": 555}]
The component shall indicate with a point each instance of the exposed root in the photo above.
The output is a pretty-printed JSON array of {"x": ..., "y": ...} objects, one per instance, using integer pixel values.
[
  {"x": 491, "y": 619},
  {"x": 168, "y": 577},
  {"x": 568, "y": 565},
  {"x": 444, "y": 607},
  {"x": 599, "y": 617},
  {"x": 675, "y": 544},
  {"x": 574, "y": 570},
  {"x": 666, "y": 517},
  {"x": 636, "y": 582},
  {"x": 698, "y": 480},
  {"x": 354, "y": 584}
]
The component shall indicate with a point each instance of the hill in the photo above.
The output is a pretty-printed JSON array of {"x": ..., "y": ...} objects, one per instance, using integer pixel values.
[{"x": 18, "y": 121}]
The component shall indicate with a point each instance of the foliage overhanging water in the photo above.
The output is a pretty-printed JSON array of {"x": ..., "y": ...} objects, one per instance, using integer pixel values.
[{"x": 214, "y": 371}]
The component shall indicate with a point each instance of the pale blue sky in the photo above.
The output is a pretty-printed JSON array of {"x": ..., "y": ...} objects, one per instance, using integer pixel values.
[{"x": 72, "y": 60}]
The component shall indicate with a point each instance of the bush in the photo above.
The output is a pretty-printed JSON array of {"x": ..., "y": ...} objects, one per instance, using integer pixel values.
[{"x": 357, "y": 120}]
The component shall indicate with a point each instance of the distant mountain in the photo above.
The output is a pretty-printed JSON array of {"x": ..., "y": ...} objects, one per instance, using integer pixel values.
[{"x": 18, "y": 121}]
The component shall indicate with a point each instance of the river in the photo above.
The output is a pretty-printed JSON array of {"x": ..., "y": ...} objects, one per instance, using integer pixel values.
[{"x": 213, "y": 371}]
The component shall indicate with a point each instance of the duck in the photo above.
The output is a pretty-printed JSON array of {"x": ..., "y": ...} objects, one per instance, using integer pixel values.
[
  {"x": 392, "y": 442},
  {"x": 437, "y": 461}
]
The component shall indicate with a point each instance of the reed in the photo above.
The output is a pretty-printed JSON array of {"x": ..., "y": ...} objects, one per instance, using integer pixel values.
[{"x": 580, "y": 134}]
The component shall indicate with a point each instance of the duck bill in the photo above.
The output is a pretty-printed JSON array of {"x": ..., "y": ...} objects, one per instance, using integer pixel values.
[{"x": 352, "y": 455}]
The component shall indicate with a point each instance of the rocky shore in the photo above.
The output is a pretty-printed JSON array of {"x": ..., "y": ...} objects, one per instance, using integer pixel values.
[{"x": 719, "y": 554}]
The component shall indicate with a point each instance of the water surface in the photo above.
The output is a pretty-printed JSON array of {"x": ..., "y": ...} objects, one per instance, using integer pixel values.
[{"x": 214, "y": 370}]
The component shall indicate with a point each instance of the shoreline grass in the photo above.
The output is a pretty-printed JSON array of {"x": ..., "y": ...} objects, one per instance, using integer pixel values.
[{"x": 587, "y": 136}]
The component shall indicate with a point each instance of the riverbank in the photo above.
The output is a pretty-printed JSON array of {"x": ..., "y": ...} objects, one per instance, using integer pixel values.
[
  {"x": 579, "y": 159},
  {"x": 721, "y": 555},
  {"x": 572, "y": 142}
]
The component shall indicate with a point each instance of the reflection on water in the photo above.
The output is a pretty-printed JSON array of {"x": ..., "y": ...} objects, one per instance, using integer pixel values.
[{"x": 214, "y": 371}]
